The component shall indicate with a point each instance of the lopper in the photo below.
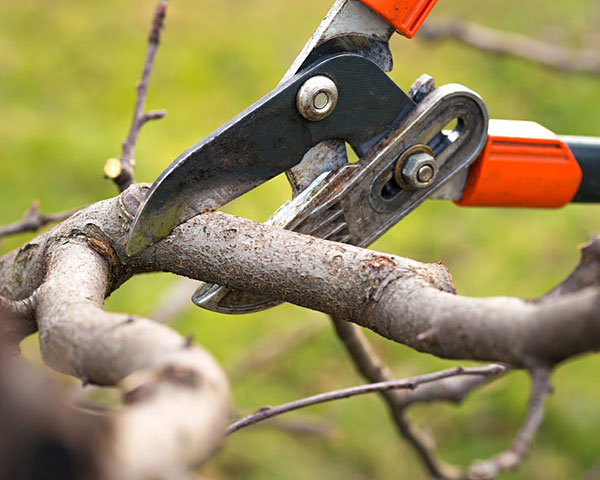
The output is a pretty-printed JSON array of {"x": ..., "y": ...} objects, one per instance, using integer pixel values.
[{"x": 425, "y": 143}]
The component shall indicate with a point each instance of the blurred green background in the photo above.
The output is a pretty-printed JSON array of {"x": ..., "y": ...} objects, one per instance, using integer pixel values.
[{"x": 67, "y": 81}]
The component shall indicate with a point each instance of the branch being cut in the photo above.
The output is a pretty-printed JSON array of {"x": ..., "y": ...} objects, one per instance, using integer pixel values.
[
  {"x": 370, "y": 289},
  {"x": 366, "y": 287},
  {"x": 504, "y": 43},
  {"x": 409, "y": 384},
  {"x": 121, "y": 170},
  {"x": 76, "y": 264}
]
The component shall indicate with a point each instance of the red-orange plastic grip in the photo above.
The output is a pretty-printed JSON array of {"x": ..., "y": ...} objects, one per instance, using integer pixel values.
[
  {"x": 406, "y": 16},
  {"x": 522, "y": 165}
]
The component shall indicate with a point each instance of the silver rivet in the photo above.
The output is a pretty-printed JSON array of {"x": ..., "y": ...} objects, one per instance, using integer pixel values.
[
  {"x": 321, "y": 100},
  {"x": 425, "y": 174},
  {"x": 317, "y": 98},
  {"x": 416, "y": 168}
]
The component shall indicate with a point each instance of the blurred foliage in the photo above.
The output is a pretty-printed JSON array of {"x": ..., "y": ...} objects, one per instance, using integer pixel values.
[{"x": 67, "y": 77}]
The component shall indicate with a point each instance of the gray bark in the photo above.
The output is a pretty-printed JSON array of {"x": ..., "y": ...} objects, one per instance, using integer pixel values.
[{"x": 176, "y": 394}]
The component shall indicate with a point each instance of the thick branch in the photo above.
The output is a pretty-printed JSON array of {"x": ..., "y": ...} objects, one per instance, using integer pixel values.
[
  {"x": 176, "y": 395},
  {"x": 371, "y": 289},
  {"x": 494, "y": 41},
  {"x": 401, "y": 299},
  {"x": 17, "y": 320}
]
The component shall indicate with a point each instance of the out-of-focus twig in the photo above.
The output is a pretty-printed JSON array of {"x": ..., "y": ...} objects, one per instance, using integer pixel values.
[
  {"x": 121, "y": 170},
  {"x": 409, "y": 383},
  {"x": 593, "y": 473},
  {"x": 174, "y": 300},
  {"x": 33, "y": 220},
  {"x": 514, "y": 456},
  {"x": 495, "y": 41},
  {"x": 297, "y": 426},
  {"x": 271, "y": 347}
]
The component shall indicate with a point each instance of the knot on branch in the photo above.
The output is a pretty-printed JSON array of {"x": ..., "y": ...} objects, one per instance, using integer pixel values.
[{"x": 131, "y": 199}]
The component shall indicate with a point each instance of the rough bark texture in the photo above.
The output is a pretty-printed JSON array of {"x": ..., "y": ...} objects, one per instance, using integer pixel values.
[
  {"x": 401, "y": 299},
  {"x": 176, "y": 395}
]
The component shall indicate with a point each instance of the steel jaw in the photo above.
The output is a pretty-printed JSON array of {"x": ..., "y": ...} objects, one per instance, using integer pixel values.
[{"x": 335, "y": 206}]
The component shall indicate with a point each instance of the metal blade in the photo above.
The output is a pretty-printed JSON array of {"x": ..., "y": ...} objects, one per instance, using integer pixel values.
[
  {"x": 349, "y": 26},
  {"x": 266, "y": 139},
  {"x": 357, "y": 203},
  {"x": 348, "y": 18}
]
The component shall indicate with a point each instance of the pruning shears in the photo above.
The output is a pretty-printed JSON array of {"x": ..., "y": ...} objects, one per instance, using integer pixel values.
[{"x": 426, "y": 143}]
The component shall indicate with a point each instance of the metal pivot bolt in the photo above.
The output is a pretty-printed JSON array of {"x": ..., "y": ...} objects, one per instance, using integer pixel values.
[
  {"x": 416, "y": 168},
  {"x": 317, "y": 98}
]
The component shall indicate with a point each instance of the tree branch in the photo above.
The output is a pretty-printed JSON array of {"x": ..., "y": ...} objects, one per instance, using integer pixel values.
[
  {"x": 512, "y": 458},
  {"x": 33, "y": 220},
  {"x": 17, "y": 319},
  {"x": 410, "y": 384},
  {"x": 503, "y": 43},
  {"x": 366, "y": 287},
  {"x": 77, "y": 263},
  {"x": 176, "y": 395},
  {"x": 121, "y": 171},
  {"x": 372, "y": 368},
  {"x": 593, "y": 473},
  {"x": 370, "y": 288}
]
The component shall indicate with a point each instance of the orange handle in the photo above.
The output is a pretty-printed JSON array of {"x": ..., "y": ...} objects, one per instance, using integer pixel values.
[
  {"x": 406, "y": 16},
  {"x": 522, "y": 165}
]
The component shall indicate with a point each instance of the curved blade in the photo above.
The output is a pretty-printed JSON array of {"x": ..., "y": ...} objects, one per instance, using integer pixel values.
[{"x": 266, "y": 139}]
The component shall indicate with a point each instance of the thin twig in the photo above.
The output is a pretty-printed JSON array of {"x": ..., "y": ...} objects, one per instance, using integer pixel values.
[
  {"x": 174, "y": 300},
  {"x": 494, "y": 41},
  {"x": 410, "y": 383},
  {"x": 593, "y": 473},
  {"x": 121, "y": 171},
  {"x": 372, "y": 368},
  {"x": 297, "y": 426},
  {"x": 33, "y": 220},
  {"x": 514, "y": 456}
]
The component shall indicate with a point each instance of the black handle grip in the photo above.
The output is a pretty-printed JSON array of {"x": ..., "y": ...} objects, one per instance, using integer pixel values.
[{"x": 586, "y": 151}]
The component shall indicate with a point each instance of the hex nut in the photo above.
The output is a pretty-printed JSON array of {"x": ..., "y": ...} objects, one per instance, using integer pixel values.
[{"x": 416, "y": 168}]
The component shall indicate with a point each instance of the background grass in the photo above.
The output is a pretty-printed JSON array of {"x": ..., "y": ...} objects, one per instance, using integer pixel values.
[{"x": 67, "y": 76}]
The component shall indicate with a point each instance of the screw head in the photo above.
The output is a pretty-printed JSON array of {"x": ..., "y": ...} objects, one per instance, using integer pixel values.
[
  {"x": 416, "y": 168},
  {"x": 317, "y": 98},
  {"x": 425, "y": 174}
]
